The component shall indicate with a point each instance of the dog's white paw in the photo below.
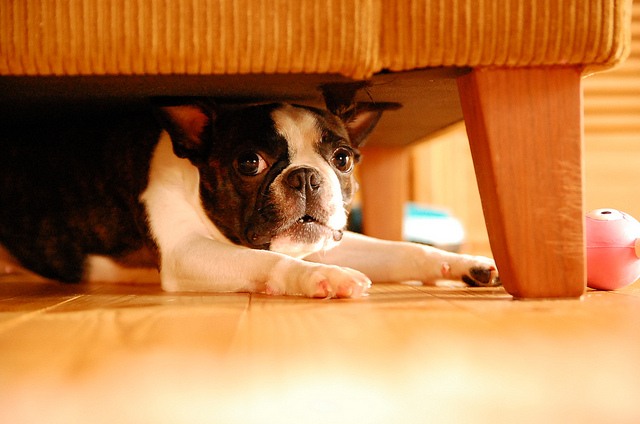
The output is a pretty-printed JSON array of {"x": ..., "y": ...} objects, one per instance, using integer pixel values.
[
  {"x": 476, "y": 271},
  {"x": 323, "y": 281},
  {"x": 334, "y": 281}
]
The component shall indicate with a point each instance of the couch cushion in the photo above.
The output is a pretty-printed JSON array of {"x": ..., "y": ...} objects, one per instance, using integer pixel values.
[
  {"x": 423, "y": 33},
  {"x": 353, "y": 38}
]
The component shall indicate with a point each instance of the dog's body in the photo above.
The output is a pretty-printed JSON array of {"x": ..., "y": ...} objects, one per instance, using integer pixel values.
[{"x": 248, "y": 199}]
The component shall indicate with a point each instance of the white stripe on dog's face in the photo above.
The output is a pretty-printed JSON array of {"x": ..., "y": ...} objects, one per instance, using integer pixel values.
[{"x": 301, "y": 129}]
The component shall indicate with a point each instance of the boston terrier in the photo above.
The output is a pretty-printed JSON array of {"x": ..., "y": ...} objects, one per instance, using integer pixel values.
[{"x": 216, "y": 198}]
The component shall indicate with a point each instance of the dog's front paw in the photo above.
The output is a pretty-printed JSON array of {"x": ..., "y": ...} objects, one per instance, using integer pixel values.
[
  {"x": 482, "y": 276},
  {"x": 476, "y": 271},
  {"x": 334, "y": 281},
  {"x": 320, "y": 281}
]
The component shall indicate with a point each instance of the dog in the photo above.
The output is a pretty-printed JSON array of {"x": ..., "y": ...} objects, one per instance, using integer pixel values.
[{"x": 250, "y": 198}]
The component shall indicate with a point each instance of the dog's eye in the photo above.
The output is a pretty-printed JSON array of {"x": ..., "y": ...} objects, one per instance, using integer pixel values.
[
  {"x": 250, "y": 164},
  {"x": 342, "y": 160}
]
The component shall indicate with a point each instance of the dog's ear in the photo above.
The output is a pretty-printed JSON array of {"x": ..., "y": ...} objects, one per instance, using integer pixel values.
[
  {"x": 359, "y": 118},
  {"x": 189, "y": 125}
]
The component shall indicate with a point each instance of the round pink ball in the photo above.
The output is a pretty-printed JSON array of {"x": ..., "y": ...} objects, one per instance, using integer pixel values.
[{"x": 613, "y": 249}]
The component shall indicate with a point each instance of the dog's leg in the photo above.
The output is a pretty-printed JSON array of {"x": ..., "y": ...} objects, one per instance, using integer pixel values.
[
  {"x": 202, "y": 264},
  {"x": 389, "y": 261}
]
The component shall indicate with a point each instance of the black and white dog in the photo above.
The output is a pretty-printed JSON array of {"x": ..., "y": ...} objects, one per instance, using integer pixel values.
[{"x": 224, "y": 199}]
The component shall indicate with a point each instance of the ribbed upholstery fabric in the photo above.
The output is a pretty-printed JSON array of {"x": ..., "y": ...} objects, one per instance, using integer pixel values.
[
  {"x": 187, "y": 36},
  {"x": 418, "y": 33},
  {"x": 356, "y": 38}
]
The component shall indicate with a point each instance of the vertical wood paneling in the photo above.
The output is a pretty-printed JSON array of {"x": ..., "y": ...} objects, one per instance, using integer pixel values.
[{"x": 612, "y": 132}]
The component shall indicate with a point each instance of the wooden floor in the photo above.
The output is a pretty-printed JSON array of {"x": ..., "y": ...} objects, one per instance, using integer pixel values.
[{"x": 133, "y": 354}]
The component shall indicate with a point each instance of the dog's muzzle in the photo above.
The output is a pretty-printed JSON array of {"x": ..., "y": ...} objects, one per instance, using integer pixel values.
[{"x": 297, "y": 208}]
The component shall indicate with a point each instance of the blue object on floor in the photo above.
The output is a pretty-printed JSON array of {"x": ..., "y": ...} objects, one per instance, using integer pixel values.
[
  {"x": 435, "y": 227},
  {"x": 423, "y": 224}
]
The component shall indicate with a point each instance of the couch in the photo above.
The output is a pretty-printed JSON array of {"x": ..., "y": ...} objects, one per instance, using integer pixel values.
[{"x": 512, "y": 69}]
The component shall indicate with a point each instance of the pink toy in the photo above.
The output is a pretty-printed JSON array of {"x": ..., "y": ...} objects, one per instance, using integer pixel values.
[{"x": 613, "y": 249}]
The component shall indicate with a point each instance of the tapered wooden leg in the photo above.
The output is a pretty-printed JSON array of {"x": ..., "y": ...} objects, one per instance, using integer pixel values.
[
  {"x": 525, "y": 130},
  {"x": 384, "y": 177}
]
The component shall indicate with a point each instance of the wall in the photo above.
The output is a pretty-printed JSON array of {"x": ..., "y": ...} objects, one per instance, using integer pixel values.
[
  {"x": 445, "y": 174},
  {"x": 612, "y": 132}
]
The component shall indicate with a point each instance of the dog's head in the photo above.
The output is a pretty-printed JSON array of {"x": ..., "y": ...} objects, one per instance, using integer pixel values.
[{"x": 275, "y": 176}]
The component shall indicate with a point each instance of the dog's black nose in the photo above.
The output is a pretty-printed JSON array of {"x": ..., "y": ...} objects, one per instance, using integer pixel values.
[{"x": 304, "y": 179}]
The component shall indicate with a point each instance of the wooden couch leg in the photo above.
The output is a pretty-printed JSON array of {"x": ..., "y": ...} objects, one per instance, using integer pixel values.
[
  {"x": 384, "y": 177},
  {"x": 525, "y": 130}
]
